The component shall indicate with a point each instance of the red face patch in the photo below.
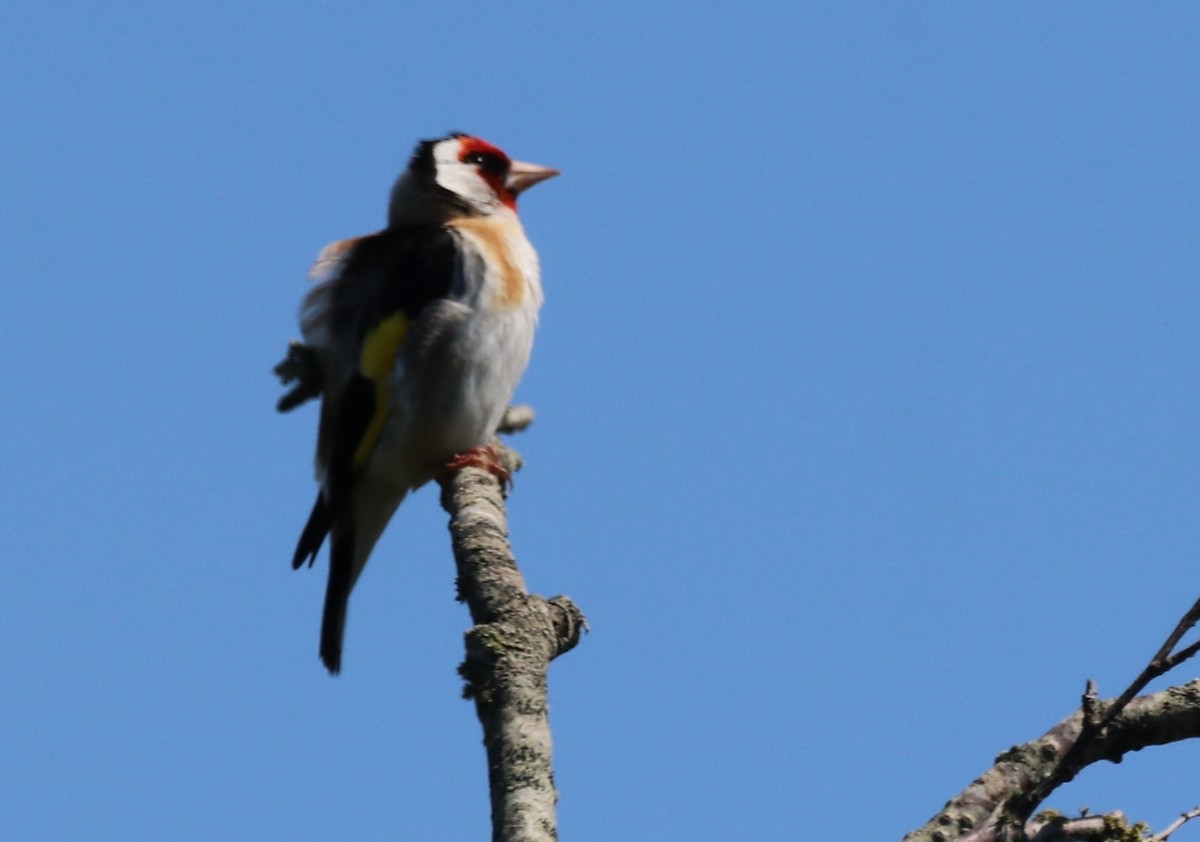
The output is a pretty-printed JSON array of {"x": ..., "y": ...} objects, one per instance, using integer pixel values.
[
  {"x": 478, "y": 146},
  {"x": 492, "y": 164}
]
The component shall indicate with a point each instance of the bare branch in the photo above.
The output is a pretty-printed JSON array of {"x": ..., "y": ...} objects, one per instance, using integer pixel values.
[
  {"x": 1091, "y": 704},
  {"x": 989, "y": 808},
  {"x": 1058, "y": 827},
  {"x": 1183, "y": 819},
  {"x": 1181, "y": 656},
  {"x": 1162, "y": 661},
  {"x": 1094, "y": 723},
  {"x": 509, "y": 651}
]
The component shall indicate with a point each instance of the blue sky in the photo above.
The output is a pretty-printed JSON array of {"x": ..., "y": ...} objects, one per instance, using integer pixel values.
[{"x": 866, "y": 387}]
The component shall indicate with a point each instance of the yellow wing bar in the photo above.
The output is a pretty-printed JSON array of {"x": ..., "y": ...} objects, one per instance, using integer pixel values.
[{"x": 375, "y": 362}]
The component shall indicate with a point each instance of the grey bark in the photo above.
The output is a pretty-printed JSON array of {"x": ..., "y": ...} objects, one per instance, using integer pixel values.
[
  {"x": 508, "y": 654},
  {"x": 994, "y": 806}
]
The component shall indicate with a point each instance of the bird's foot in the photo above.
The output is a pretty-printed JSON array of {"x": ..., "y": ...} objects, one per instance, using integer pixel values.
[
  {"x": 486, "y": 458},
  {"x": 301, "y": 367}
]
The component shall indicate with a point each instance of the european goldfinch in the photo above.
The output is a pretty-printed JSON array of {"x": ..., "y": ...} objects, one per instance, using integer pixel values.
[{"x": 421, "y": 332}]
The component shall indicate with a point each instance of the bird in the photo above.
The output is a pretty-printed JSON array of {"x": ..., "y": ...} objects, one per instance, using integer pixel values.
[{"x": 420, "y": 333}]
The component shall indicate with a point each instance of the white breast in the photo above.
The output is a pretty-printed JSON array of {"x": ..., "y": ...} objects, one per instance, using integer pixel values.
[{"x": 452, "y": 398}]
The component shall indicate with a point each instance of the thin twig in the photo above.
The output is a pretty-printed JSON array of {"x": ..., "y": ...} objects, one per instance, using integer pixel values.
[
  {"x": 1094, "y": 726},
  {"x": 1183, "y": 819},
  {"x": 1162, "y": 661},
  {"x": 985, "y": 809}
]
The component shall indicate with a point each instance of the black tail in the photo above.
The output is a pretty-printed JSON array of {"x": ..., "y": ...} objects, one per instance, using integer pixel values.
[
  {"x": 337, "y": 599},
  {"x": 314, "y": 533}
]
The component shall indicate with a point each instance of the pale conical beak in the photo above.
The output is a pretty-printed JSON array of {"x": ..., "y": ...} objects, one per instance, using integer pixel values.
[{"x": 522, "y": 176}]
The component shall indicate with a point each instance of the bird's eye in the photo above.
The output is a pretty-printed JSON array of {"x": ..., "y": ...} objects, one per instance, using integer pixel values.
[{"x": 488, "y": 162}]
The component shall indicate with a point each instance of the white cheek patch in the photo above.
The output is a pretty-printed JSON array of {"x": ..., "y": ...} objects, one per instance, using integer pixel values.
[{"x": 459, "y": 178}]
